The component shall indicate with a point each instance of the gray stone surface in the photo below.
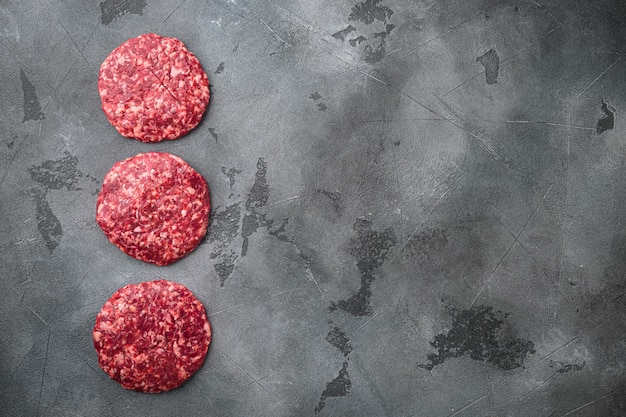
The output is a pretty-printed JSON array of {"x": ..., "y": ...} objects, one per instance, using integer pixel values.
[{"x": 418, "y": 207}]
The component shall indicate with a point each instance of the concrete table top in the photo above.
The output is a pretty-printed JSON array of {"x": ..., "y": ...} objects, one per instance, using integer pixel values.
[{"x": 418, "y": 207}]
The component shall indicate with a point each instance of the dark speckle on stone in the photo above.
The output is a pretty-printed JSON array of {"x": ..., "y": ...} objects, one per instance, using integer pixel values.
[
  {"x": 279, "y": 232},
  {"x": 114, "y": 9},
  {"x": 482, "y": 334},
  {"x": 370, "y": 10},
  {"x": 491, "y": 62},
  {"x": 374, "y": 55},
  {"x": 32, "y": 108},
  {"x": 335, "y": 197},
  {"x": 57, "y": 174},
  {"x": 564, "y": 368},
  {"x": 338, "y": 387},
  {"x": 357, "y": 40},
  {"x": 11, "y": 144},
  {"x": 260, "y": 192},
  {"x": 516, "y": 9},
  {"x": 387, "y": 31},
  {"x": 213, "y": 133},
  {"x": 257, "y": 198},
  {"x": 48, "y": 224},
  {"x": 338, "y": 339},
  {"x": 315, "y": 96},
  {"x": 426, "y": 244},
  {"x": 53, "y": 175},
  {"x": 225, "y": 267},
  {"x": 606, "y": 122},
  {"x": 371, "y": 252},
  {"x": 231, "y": 173},
  {"x": 396, "y": 143},
  {"x": 341, "y": 35},
  {"x": 251, "y": 223},
  {"x": 225, "y": 224},
  {"x": 222, "y": 232},
  {"x": 220, "y": 68}
]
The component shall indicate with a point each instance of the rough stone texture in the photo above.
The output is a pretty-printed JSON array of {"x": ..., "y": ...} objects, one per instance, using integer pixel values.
[{"x": 384, "y": 188}]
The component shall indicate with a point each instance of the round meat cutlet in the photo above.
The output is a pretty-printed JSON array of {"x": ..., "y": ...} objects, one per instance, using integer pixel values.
[
  {"x": 152, "y": 336},
  {"x": 153, "y": 88},
  {"x": 154, "y": 207}
]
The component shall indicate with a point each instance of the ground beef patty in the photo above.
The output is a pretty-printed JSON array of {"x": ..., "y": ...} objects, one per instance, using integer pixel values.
[
  {"x": 153, "y": 88},
  {"x": 151, "y": 336},
  {"x": 154, "y": 207}
]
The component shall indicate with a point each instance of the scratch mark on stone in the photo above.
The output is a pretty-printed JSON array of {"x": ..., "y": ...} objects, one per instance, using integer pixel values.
[
  {"x": 43, "y": 375},
  {"x": 588, "y": 404},
  {"x": 35, "y": 313},
  {"x": 516, "y": 53},
  {"x": 468, "y": 405},
  {"x": 515, "y": 240},
  {"x": 307, "y": 268},
  {"x": 268, "y": 26},
  {"x": 408, "y": 240},
  {"x": 540, "y": 122},
  {"x": 543, "y": 272},
  {"x": 602, "y": 74},
  {"x": 80, "y": 51},
  {"x": 172, "y": 12},
  {"x": 486, "y": 142},
  {"x": 286, "y": 200},
  {"x": 419, "y": 393},
  {"x": 254, "y": 380},
  {"x": 252, "y": 301}
]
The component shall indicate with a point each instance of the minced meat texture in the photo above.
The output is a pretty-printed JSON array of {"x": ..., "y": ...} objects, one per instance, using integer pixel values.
[
  {"x": 153, "y": 88},
  {"x": 154, "y": 207},
  {"x": 152, "y": 336}
]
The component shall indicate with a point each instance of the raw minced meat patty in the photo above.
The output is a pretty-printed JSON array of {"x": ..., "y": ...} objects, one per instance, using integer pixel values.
[
  {"x": 152, "y": 336},
  {"x": 153, "y": 88},
  {"x": 154, "y": 207}
]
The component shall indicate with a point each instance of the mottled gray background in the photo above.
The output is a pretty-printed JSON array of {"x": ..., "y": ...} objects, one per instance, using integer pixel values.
[{"x": 418, "y": 207}]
